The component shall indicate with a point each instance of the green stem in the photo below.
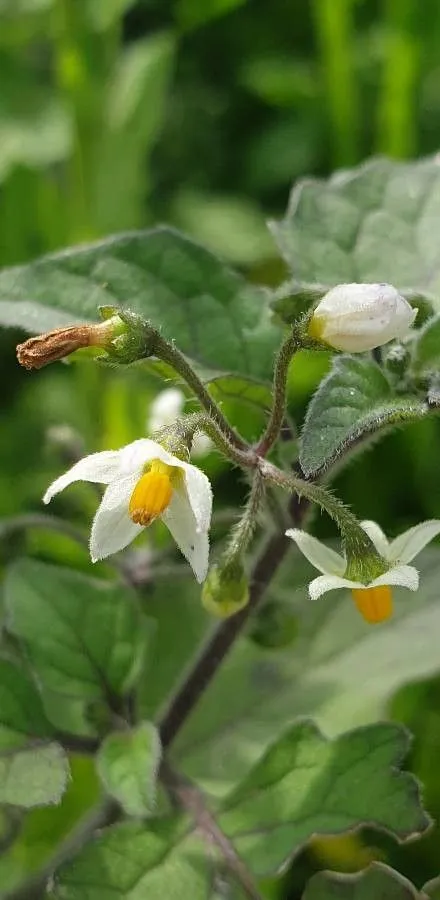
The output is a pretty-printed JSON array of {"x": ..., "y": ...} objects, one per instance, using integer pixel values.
[
  {"x": 241, "y": 534},
  {"x": 169, "y": 353},
  {"x": 363, "y": 561},
  {"x": 182, "y": 431},
  {"x": 274, "y": 425},
  {"x": 335, "y": 34},
  {"x": 397, "y": 112}
]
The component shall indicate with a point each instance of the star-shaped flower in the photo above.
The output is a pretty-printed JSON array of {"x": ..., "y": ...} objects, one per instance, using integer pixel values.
[
  {"x": 145, "y": 482},
  {"x": 373, "y": 600}
]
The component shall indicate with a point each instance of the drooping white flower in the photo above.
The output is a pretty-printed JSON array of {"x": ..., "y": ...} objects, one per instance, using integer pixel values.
[
  {"x": 373, "y": 600},
  {"x": 145, "y": 482},
  {"x": 165, "y": 409},
  {"x": 359, "y": 317}
]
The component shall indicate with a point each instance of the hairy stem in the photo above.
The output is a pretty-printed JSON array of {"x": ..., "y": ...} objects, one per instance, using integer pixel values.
[
  {"x": 169, "y": 353},
  {"x": 274, "y": 425},
  {"x": 191, "y": 799},
  {"x": 186, "y": 427},
  {"x": 216, "y": 648},
  {"x": 242, "y": 532},
  {"x": 364, "y": 562}
]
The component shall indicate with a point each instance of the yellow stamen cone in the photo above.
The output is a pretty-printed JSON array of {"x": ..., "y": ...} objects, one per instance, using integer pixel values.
[
  {"x": 375, "y": 604},
  {"x": 152, "y": 494}
]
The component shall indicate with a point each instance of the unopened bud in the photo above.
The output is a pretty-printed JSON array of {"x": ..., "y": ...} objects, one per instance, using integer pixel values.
[
  {"x": 359, "y": 317},
  {"x": 226, "y": 590},
  {"x": 397, "y": 359},
  {"x": 39, "y": 351}
]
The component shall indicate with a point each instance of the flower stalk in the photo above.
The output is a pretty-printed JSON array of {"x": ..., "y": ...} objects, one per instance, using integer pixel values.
[
  {"x": 363, "y": 560},
  {"x": 290, "y": 345}
]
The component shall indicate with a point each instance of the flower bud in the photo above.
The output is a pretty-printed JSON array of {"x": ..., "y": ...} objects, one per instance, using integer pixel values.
[
  {"x": 359, "y": 317},
  {"x": 226, "y": 590}
]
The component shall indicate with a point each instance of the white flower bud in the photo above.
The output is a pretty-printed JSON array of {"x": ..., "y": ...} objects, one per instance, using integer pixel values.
[
  {"x": 165, "y": 409},
  {"x": 359, "y": 317}
]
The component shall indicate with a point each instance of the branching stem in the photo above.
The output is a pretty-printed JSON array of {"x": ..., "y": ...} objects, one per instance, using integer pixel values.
[{"x": 169, "y": 353}]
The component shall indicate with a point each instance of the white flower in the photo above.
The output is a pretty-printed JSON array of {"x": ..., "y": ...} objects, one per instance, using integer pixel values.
[
  {"x": 358, "y": 317},
  {"x": 373, "y": 600},
  {"x": 165, "y": 409},
  {"x": 145, "y": 482}
]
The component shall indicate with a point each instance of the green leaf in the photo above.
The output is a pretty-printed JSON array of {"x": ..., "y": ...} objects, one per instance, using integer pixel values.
[
  {"x": 432, "y": 889},
  {"x": 84, "y": 638},
  {"x": 35, "y": 126},
  {"x": 135, "y": 107},
  {"x": 33, "y": 777},
  {"x": 22, "y": 715},
  {"x": 33, "y": 769},
  {"x": 44, "y": 828},
  {"x": 102, "y": 14},
  {"x": 222, "y": 323},
  {"x": 132, "y": 862},
  {"x": 128, "y": 763},
  {"x": 294, "y": 298},
  {"x": 371, "y": 223},
  {"x": 340, "y": 670},
  {"x": 355, "y": 400},
  {"x": 375, "y": 882},
  {"x": 426, "y": 348},
  {"x": 306, "y": 785},
  {"x": 234, "y": 227},
  {"x": 193, "y": 13}
]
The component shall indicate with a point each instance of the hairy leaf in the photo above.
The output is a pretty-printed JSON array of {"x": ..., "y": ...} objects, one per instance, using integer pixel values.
[
  {"x": 222, "y": 323},
  {"x": 378, "y": 881},
  {"x": 133, "y": 862},
  {"x": 306, "y": 785},
  {"x": 33, "y": 769},
  {"x": 340, "y": 670},
  {"x": 22, "y": 715},
  {"x": 426, "y": 354},
  {"x": 84, "y": 638},
  {"x": 128, "y": 763},
  {"x": 36, "y": 776},
  {"x": 352, "y": 402},
  {"x": 371, "y": 223}
]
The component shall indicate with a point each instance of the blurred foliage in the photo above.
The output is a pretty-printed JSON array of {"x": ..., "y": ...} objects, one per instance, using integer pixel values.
[{"x": 115, "y": 114}]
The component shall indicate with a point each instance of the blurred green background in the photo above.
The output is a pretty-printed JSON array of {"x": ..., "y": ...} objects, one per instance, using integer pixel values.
[{"x": 117, "y": 114}]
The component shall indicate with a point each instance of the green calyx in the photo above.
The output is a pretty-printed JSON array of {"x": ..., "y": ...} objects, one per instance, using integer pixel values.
[
  {"x": 226, "y": 589},
  {"x": 364, "y": 565},
  {"x": 130, "y": 338}
]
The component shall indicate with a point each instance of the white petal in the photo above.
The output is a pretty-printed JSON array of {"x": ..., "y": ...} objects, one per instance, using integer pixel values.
[
  {"x": 402, "y": 576},
  {"x": 405, "y": 547},
  {"x": 358, "y": 317},
  {"x": 376, "y": 534},
  {"x": 101, "y": 468},
  {"x": 112, "y": 527},
  {"x": 325, "y": 583},
  {"x": 135, "y": 455},
  {"x": 319, "y": 555},
  {"x": 191, "y": 540},
  {"x": 198, "y": 488}
]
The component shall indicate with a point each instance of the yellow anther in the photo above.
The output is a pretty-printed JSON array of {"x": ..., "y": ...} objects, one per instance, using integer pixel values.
[
  {"x": 152, "y": 493},
  {"x": 375, "y": 604}
]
